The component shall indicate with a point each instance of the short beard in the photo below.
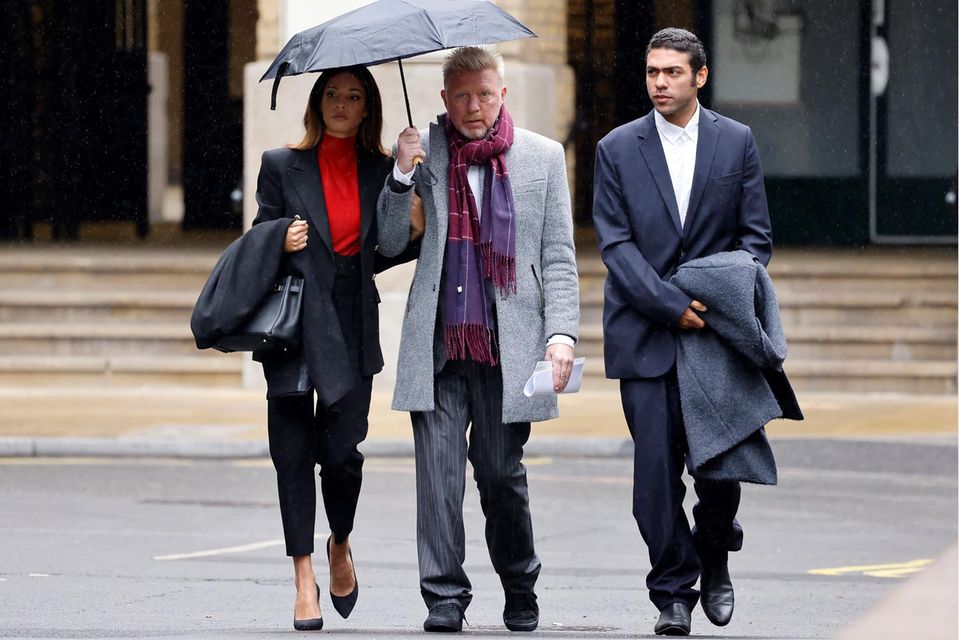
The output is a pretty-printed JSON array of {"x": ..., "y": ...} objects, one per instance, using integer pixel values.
[{"x": 470, "y": 135}]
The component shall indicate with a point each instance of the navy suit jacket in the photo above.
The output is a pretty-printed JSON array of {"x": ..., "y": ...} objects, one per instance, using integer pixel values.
[{"x": 637, "y": 223}]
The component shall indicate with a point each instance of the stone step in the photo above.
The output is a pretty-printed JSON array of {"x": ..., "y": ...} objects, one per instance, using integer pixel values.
[
  {"x": 835, "y": 271},
  {"x": 839, "y": 342},
  {"x": 819, "y": 317},
  {"x": 800, "y": 308},
  {"x": 144, "y": 269},
  {"x": 860, "y": 376},
  {"x": 831, "y": 264},
  {"x": 79, "y": 305},
  {"x": 95, "y": 338},
  {"x": 835, "y": 286},
  {"x": 203, "y": 369},
  {"x": 916, "y": 343},
  {"x": 870, "y": 299},
  {"x": 879, "y": 376}
]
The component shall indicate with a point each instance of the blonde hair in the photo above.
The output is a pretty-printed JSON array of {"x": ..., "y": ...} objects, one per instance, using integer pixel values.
[{"x": 472, "y": 59}]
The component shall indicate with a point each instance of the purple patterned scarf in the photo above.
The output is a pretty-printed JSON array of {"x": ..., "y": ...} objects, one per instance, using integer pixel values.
[{"x": 480, "y": 248}]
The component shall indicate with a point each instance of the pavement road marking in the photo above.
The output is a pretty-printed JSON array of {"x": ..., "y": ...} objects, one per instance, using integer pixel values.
[
  {"x": 894, "y": 570},
  {"x": 253, "y": 546},
  {"x": 94, "y": 460}
]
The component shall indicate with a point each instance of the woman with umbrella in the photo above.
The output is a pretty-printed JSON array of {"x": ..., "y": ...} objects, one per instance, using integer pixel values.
[{"x": 328, "y": 186}]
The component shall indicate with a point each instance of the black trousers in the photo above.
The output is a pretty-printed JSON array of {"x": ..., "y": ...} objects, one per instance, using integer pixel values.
[
  {"x": 303, "y": 435},
  {"x": 469, "y": 394},
  {"x": 653, "y": 413}
]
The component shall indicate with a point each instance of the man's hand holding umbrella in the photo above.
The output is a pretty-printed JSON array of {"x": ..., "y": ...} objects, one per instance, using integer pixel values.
[{"x": 409, "y": 151}]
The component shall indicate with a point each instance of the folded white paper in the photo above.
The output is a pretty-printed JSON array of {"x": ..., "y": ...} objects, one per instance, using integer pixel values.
[{"x": 541, "y": 382}]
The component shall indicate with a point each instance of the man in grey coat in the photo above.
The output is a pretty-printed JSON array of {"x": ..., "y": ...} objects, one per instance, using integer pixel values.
[{"x": 495, "y": 291}]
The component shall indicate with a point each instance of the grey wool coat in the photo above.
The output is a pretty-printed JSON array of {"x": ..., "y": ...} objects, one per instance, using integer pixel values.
[
  {"x": 731, "y": 373},
  {"x": 547, "y": 298}
]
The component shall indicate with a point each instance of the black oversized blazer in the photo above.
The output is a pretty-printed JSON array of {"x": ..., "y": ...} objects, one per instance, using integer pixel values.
[{"x": 289, "y": 185}]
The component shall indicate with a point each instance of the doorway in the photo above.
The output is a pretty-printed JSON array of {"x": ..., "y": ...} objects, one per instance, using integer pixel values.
[
  {"x": 607, "y": 41},
  {"x": 74, "y": 143},
  {"x": 853, "y": 105},
  {"x": 913, "y": 118},
  {"x": 219, "y": 39}
]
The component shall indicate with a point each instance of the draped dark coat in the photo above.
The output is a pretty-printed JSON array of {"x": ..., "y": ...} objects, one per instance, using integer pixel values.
[
  {"x": 289, "y": 185},
  {"x": 730, "y": 373}
]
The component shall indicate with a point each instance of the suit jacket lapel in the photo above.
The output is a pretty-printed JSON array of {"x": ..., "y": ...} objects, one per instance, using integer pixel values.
[
  {"x": 305, "y": 176},
  {"x": 652, "y": 151},
  {"x": 369, "y": 191},
  {"x": 707, "y": 138},
  {"x": 439, "y": 160}
]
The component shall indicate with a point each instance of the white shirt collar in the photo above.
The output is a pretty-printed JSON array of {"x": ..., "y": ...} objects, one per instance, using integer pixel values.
[{"x": 672, "y": 132}]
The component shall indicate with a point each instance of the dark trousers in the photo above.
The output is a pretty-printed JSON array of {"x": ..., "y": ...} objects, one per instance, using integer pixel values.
[
  {"x": 469, "y": 394},
  {"x": 302, "y": 436},
  {"x": 652, "y": 410}
]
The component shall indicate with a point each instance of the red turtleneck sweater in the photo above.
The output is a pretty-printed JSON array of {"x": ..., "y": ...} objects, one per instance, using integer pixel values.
[{"x": 337, "y": 158}]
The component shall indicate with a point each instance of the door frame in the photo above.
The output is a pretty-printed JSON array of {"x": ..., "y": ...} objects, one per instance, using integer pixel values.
[{"x": 876, "y": 17}]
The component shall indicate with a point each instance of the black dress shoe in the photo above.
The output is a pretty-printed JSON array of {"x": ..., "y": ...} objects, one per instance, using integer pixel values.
[
  {"x": 446, "y": 617},
  {"x": 311, "y": 624},
  {"x": 674, "y": 620},
  {"x": 344, "y": 604},
  {"x": 521, "y": 613},
  {"x": 716, "y": 592}
]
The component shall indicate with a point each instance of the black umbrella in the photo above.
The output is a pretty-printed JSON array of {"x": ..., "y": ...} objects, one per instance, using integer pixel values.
[{"x": 388, "y": 30}]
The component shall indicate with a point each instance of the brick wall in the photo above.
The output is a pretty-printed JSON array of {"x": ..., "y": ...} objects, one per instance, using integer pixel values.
[{"x": 268, "y": 29}]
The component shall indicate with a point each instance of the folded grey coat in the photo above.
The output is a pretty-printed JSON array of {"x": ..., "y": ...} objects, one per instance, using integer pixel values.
[{"x": 730, "y": 374}]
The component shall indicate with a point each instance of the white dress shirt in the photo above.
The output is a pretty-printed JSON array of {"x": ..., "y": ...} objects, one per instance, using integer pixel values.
[
  {"x": 475, "y": 175},
  {"x": 680, "y": 149}
]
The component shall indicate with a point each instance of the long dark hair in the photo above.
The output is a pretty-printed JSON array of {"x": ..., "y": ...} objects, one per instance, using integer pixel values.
[{"x": 371, "y": 127}]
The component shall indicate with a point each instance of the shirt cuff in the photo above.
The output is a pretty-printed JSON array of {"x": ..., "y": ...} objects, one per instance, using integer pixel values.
[
  {"x": 560, "y": 338},
  {"x": 401, "y": 177}
]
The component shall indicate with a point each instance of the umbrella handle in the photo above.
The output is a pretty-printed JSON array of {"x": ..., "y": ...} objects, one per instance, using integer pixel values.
[
  {"x": 406, "y": 99},
  {"x": 276, "y": 84},
  {"x": 418, "y": 161}
]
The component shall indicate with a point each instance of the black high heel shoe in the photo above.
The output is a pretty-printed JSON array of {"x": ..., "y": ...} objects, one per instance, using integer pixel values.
[
  {"x": 344, "y": 604},
  {"x": 311, "y": 624}
]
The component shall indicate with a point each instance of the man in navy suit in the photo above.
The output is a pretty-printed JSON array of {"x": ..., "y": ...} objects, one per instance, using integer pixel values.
[{"x": 679, "y": 183}]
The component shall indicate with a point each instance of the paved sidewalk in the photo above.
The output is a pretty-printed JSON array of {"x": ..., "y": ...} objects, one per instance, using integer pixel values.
[
  {"x": 230, "y": 423},
  {"x": 187, "y": 421},
  {"x": 925, "y": 606}
]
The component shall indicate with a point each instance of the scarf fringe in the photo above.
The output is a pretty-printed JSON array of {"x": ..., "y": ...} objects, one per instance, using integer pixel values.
[
  {"x": 499, "y": 268},
  {"x": 470, "y": 341}
]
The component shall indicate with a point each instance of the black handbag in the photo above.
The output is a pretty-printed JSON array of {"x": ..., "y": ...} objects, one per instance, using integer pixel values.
[{"x": 274, "y": 326}]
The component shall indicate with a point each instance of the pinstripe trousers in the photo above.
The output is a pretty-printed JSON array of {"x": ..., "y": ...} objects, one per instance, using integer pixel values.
[{"x": 470, "y": 394}]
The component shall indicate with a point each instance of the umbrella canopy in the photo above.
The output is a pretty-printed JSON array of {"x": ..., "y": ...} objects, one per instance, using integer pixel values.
[{"x": 388, "y": 30}]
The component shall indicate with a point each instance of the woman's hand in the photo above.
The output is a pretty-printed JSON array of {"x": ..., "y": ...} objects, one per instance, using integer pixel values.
[{"x": 296, "y": 237}]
